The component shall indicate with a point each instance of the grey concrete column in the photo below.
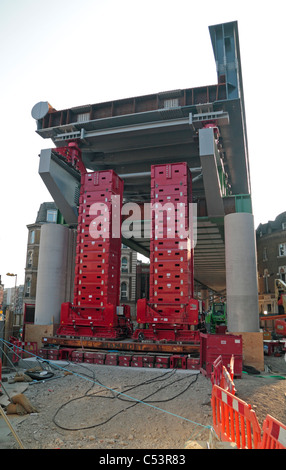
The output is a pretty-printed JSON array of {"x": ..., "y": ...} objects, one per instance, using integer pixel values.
[
  {"x": 208, "y": 158},
  {"x": 241, "y": 273},
  {"x": 52, "y": 273},
  {"x": 62, "y": 183}
]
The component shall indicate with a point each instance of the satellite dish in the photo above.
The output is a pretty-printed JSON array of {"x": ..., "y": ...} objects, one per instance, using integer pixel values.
[{"x": 41, "y": 109}]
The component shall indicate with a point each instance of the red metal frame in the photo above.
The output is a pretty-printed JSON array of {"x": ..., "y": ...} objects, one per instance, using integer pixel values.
[
  {"x": 72, "y": 154},
  {"x": 94, "y": 311},
  {"x": 229, "y": 347},
  {"x": 171, "y": 313}
]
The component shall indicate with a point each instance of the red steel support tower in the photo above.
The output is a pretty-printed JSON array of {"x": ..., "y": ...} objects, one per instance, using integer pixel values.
[
  {"x": 171, "y": 313},
  {"x": 95, "y": 311}
]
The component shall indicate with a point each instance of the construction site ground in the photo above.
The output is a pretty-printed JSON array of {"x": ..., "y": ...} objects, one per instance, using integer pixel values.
[{"x": 88, "y": 406}]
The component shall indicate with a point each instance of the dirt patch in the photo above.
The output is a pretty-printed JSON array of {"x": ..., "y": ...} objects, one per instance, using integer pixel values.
[{"x": 108, "y": 407}]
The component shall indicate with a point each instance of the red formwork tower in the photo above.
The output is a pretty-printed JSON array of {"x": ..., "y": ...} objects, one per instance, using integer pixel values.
[
  {"x": 95, "y": 309},
  {"x": 98, "y": 253},
  {"x": 171, "y": 313}
]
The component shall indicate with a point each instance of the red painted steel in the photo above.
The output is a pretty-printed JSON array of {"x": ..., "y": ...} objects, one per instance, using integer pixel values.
[
  {"x": 137, "y": 362},
  {"x": 72, "y": 154},
  {"x": 176, "y": 313},
  {"x": 280, "y": 327},
  {"x": 98, "y": 257},
  {"x": 170, "y": 276},
  {"x": 95, "y": 278},
  {"x": 149, "y": 359},
  {"x": 169, "y": 190},
  {"x": 171, "y": 312},
  {"x": 226, "y": 346},
  {"x": 23, "y": 349},
  {"x": 163, "y": 359},
  {"x": 103, "y": 179},
  {"x": 193, "y": 363},
  {"x": 169, "y": 245},
  {"x": 172, "y": 173},
  {"x": 178, "y": 362}
]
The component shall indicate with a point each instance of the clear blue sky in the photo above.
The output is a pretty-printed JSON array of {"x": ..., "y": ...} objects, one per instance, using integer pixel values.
[{"x": 72, "y": 53}]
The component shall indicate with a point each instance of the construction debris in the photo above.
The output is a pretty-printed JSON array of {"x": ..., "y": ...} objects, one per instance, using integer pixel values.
[
  {"x": 20, "y": 405},
  {"x": 89, "y": 408},
  {"x": 206, "y": 445},
  {"x": 20, "y": 377}
]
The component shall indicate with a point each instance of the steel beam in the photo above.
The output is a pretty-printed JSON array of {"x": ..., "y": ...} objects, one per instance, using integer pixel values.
[
  {"x": 121, "y": 345},
  {"x": 210, "y": 173},
  {"x": 63, "y": 184}
]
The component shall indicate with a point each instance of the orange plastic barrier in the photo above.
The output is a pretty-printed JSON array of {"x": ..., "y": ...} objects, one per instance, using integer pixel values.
[
  {"x": 274, "y": 434},
  {"x": 234, "y": 420},
  {"x": 221, "y": 377},
  {"x": 217, "y": 371}
]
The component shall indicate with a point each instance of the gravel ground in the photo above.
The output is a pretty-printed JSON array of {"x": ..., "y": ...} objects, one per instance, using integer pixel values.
[{"x": 87, "y": 406}]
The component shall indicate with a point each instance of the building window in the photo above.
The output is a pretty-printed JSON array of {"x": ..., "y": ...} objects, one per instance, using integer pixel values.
[
  {"x": 52, "y": 215},
  {"x": 283, "y": 225},
  {"x": 32, "y": 236},
  {"x": 282, "y": 273},
  {"x": 84, "y": 117},
  {"x": 265, "y": 254},
  {"x": 28, "y": 287},
  {"x": 266, "y": 277},
  {"x": 29, "y": 313},
  {"x": 30, "y": 259},
  {"x": 173, "y": 103},
  {"x": 123, "y": 291},
  {"x": 124, "y": 265},
  {"x": 282, "y": 249}
]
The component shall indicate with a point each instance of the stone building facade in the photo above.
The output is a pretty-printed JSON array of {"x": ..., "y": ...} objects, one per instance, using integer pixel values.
[{"x": 271, "y": 260}]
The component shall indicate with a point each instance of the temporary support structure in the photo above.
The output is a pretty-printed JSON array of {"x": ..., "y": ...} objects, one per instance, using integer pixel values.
[
  {"x": 95, "y": 310},
  {"x": 171, "y": 312}
]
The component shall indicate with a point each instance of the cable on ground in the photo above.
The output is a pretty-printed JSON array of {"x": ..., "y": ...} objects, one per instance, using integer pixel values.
[{"x": 115, "y": 394}]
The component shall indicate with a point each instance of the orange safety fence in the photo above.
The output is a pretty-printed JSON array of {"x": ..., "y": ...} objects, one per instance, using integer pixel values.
[
  {"x": 221, "y": 377},
  {"x": 274, "y": 434},
  {"x": 234, "y": 420},
  {"x": 216, "y": 374}
]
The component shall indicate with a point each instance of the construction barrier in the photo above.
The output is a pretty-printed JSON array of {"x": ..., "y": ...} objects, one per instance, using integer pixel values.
[
  {"x": 217, "y": 372},
  {"x": 221, "y": 377},
  {"x": 234, "y": 420},
  {"x": 22, "y": 349},
  {"x": 274, "y": 434}
]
